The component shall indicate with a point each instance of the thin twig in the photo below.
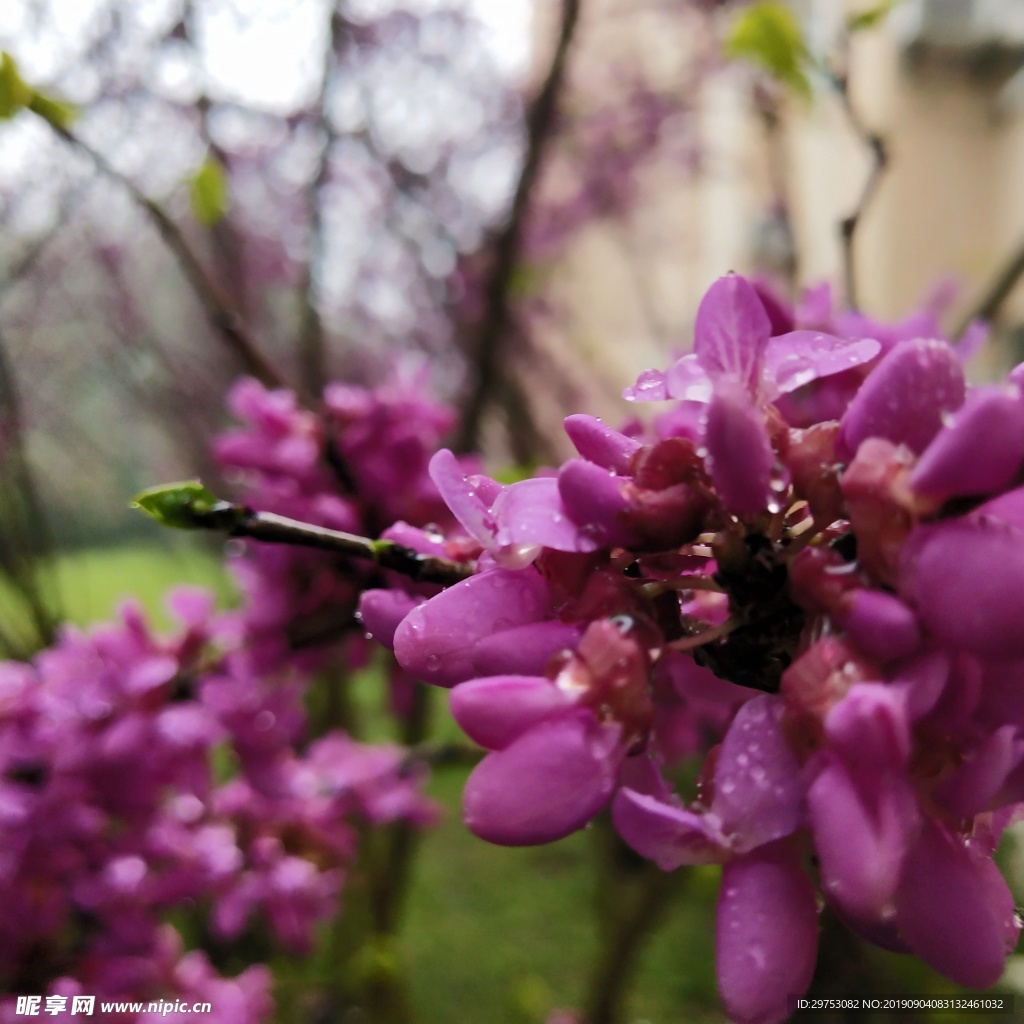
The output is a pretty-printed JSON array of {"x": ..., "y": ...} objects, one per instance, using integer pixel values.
[
  {"x": 311, "y": 328},
  {"x": 485, "y": 348},
  {"x": 997, "y": 292},
  {"x": 275, "y": 529},
  {"x": 876, "y": 146},
  {"x": 224, "y": 318},
  {"x": 190, "y": 506}
]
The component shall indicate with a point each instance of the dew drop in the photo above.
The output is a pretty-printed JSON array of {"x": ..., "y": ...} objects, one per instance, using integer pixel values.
[
  {"x": 264, "y": 721},
  {"x": 433, "y": 662}
]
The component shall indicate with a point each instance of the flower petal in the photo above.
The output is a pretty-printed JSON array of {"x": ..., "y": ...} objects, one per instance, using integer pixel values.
[
  {"x": 531, "y": 515},
  {"x": 600, "y": 444},
  {"x": 965, "y": 577},
  {"x": 596, "y": 501},
  {"x": 496, "y": 711},
  {"x": 796, "y": 359},
  {"x": 670, "y": 836},
  {"x": 954, "y": 909},
  {"x": 524, "y": 650},
  {"x": 979, "y": 452},
  {"x": 766, "y": 935},
  {"x": 741, "y": 458},
  {"x": 758, "y": 790},
  {"x": 436, "y": 640},
  {"x": 905, "y": 398},
  {"x": 462, "y": 497},
  {"x": 862, "y": 830},
  {"x": 731, "y": 332},
  {"x": 549, "y": 782}
]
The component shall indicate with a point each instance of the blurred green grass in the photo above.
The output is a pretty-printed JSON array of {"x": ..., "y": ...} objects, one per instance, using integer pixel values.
[{"x": 92, "y": 582}]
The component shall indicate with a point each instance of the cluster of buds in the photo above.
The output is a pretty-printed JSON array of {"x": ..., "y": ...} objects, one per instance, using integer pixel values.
[
  {"x": 809, "y": 573},
  {"x": 115, "y": 814}
]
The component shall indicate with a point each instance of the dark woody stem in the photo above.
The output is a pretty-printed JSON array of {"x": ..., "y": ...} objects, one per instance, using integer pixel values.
[
  {"x": 275, "y": 529},
  {"x": 190, "y": 506}
]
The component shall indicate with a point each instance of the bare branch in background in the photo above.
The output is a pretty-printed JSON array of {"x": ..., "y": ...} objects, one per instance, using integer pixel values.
[
  {"x": 223, "y": 235},
  {"x": 485, "y": 347},
  {"x": 312, "y": 368},
  {"x": 224, "y": 318},
  {"x": 26, "y": 544},
  {"x": 997, "y": 292},
  {"x": 876, "y": 146}
]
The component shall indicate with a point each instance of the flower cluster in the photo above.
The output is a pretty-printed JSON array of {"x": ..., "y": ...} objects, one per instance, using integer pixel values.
[
  {"x": 359, "y": 465},
  {"x": 142, "y": 775},
  {"x": 810, "y": 574}
]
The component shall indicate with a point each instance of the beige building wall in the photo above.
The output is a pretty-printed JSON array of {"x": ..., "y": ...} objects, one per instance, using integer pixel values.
[{"x": 950, "y": 202}]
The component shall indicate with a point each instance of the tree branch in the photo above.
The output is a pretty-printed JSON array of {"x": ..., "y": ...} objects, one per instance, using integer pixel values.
[
  {"x": 190, "y": 506},
  {"x": 879, "y": 160},
  {"x": 223, "y": 317},
  {"x": 997, "y": 292},
  {"x": 485, "y": 347},
  {"x": 311, "y": 330}
]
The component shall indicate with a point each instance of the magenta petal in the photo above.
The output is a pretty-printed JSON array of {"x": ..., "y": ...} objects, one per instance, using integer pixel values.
[
  {"x": 905, "y": 398},
  {"x": 882, "y": 625},
  {"x": 965, "y": 577},
  {"x": 780, "y": 312},
  {"x": 973, "y": 788},
  {"x": 493, "y": 712},
  {"x": 600, "y": 444},
  {"x": 595, "y": 500},
  {"x": 670, "y": 836},
  {"x": 954, "y": 909},
  {"x": 800, "y": 357},
  {"x": 758, "y": 790},
  {"x": 194, "y": 607},
  {"x": 741, "y": 458},
  {"x": 462, "y": 497},
  {"x": 551, "y": 781},
  {"x": 435, "y": 641},
  {"x": 766, "y": 935},
  {"x": 731, "y": 332},
  {"x": 862, "y": 829},
  {"x": 870, "y": 728},
  {"x": 979, "y": 452},
  {"x": 530, "y": 516},
  {"x": 524, "y": 650},
  {"x": 1006, "y": 508},
  {"x": 382, "y": 611}
]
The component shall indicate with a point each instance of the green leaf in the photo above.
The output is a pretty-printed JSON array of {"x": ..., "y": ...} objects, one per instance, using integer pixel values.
[
  {"x": 188, "y": 506},
  {"x": 870, "y": 17},
  {"x": 15, "y": 93},
  {"x": 209, "y": 192},
  {"x": 768, "y": 34}
]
